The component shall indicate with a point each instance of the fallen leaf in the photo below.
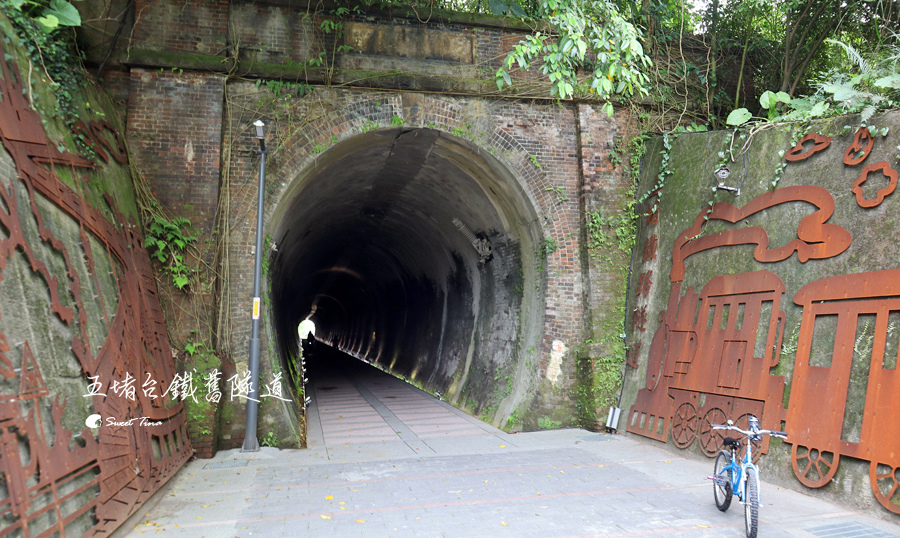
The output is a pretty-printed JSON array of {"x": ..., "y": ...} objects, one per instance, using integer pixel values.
[
  {"x": 505, "y": 524},
  {"x": 342, "y": 502},
  {"x": 703, "y": 526},
  {"x": 502, "y": 446},
  {"x": 360, "y": 520},
  {"x": 328, "y": 498},
  {"x": 323, "y": 516}
]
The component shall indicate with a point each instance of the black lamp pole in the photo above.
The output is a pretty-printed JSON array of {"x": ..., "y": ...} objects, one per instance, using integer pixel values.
[{"x": 250, "y": 442}]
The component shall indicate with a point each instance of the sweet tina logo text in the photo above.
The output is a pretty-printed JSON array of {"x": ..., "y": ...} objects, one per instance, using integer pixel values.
[{"x": 94, "y": 421}]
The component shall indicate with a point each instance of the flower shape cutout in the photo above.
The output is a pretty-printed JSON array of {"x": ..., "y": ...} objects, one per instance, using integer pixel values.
[
  {"x": 860, "y": 148},
  {"x": 889, "y": 172},
  {"x": 799, "y": 152}
]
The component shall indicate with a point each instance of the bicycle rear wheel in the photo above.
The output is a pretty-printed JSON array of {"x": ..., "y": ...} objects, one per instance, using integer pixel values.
[
  {"x": 722, "y": 481},
  {"x": 751, "y": 504}
]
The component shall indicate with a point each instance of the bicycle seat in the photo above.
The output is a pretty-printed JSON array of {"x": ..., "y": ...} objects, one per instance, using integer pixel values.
[{"x": 731, "y": 442}]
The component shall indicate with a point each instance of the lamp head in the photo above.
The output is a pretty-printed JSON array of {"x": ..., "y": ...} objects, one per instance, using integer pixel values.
[{"x": 260, "y": 129}]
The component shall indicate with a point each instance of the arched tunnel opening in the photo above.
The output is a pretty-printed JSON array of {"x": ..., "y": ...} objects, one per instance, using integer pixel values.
[{"x": 412, "y": 249}]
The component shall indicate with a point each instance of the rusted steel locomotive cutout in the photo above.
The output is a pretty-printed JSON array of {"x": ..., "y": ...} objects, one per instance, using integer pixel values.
[
  {"x": 717, "y": 368},
  {"x": 127, "y": 464}
]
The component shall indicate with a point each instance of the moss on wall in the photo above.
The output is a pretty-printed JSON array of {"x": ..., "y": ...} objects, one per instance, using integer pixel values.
[{"x": 757, "y": 166}]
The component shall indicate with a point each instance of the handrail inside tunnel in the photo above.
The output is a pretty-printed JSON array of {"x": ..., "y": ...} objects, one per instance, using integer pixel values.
[{"x": 369, "y": 249}]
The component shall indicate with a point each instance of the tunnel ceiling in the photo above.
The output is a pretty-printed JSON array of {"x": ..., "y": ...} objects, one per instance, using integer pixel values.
[{"x": 368, "y": 235}]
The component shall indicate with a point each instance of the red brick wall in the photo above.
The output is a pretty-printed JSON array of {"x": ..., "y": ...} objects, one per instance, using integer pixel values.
[
  {"x": 181, "y": 25},
  {"x": 175, "y": 134},
  {"x": 175, "y": 130}
]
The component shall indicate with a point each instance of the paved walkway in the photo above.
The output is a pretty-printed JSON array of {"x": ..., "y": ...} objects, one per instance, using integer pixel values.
[{"x": 386, "y": 459}]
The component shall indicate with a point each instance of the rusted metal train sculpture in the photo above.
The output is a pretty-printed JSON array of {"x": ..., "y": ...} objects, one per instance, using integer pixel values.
[{"x": 711, "y": 357}]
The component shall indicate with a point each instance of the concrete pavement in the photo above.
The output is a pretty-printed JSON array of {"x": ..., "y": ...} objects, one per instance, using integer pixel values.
[{"x": 386, "y": 459}]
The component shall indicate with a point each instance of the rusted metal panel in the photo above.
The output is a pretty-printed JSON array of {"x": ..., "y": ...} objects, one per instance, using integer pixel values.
[
  {"x": 702, "y": 373},
  {"x": 706, "y": 371},
  {"x": 880, "y": 195},
  {"x": 819, "y": 393},
  {"x": 125, "y": 464},
  {"x": 859, "y": 150},
  {"x": 801, "y": 152}
]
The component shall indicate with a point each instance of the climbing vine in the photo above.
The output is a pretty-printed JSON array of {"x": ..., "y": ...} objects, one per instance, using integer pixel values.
[
  {"x": 168, "y": 240},
  {"x": 43, "y": 29}
]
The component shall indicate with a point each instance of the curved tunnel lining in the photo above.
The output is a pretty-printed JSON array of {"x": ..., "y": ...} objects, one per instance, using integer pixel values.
[{"x": 375, "y": 245}]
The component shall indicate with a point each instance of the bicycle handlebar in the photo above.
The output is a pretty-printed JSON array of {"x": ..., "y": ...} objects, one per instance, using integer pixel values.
[{"x": 749, "y": 433}]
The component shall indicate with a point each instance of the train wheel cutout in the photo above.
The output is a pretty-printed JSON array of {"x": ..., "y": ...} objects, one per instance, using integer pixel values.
[
  {"x": 886, "y": 485},
  {"x": 814, "y": 468},
  {"x": 744, "y": 423},
  {"x": 684, "y": 425},
  {"x": 710, "y": 439}
]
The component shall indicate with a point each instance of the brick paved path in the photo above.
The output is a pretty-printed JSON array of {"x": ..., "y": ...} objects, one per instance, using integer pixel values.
[{"x": 386, "y": 459}]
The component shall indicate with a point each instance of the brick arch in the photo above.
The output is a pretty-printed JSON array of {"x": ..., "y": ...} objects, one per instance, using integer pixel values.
[{"x": 462, "y": 302}]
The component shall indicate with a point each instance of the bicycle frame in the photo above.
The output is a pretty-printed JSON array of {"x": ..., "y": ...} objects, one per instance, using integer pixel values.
[
  {"x": 744, "y": 473},
  {"x": 739, "y": 469}
]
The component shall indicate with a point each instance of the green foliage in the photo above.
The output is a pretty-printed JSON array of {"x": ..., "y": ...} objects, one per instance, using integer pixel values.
[
  {"x": 53, "y": 52},
  {"x": 546, "y": 423},
  {"x": 167, "y": 241},
  {"x": 665, "y": 170},
  {"x": 269, "y": 439},
  {"x": 396, "y": 121},
  {"x": 548, "y": 248},
  {"x": 499, "y": 7},
  {"x": 51, "y": 15},
  {"x": 559, "y": 192},
  {"x": 331, "y": 30},
  {"x": 587, "y": 35},
  {"x": 515, "y": 420},
  {"x": 622, "y": 225},
  {"x": 281, "y": 88},
  {"x": 875, "y": 85},
  {"x": 197, "y": 413},
  {"x": 202, "y": 356}
]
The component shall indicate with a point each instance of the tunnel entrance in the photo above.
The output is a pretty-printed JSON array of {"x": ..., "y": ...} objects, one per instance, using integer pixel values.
[{"x": 413, "y": 250}]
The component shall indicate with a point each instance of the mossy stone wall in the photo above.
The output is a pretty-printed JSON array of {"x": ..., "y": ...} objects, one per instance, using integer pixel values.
[{"x": 758, "y": 167}]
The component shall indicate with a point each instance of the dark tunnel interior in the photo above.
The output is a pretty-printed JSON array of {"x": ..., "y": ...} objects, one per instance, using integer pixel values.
[{"x": 405, "y": 248}]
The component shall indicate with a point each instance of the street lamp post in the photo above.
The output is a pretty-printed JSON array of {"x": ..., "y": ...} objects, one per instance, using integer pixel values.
[{"x": 250, "y": 442}]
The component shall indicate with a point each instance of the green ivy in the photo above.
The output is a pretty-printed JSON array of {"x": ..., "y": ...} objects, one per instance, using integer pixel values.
[
  {"x": 167, "y": 241},
  {"x": 39, "y": 25},
  {"x": 269, "y": 439}
]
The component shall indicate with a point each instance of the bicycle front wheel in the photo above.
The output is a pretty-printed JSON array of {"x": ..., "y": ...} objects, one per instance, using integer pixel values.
[
  {"x": 722, "y": 481},
  {"x": 751, "y": 504}
]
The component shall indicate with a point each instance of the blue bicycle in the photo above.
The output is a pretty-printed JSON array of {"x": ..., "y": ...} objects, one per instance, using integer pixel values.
[{"x": 734, "y": 475}]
